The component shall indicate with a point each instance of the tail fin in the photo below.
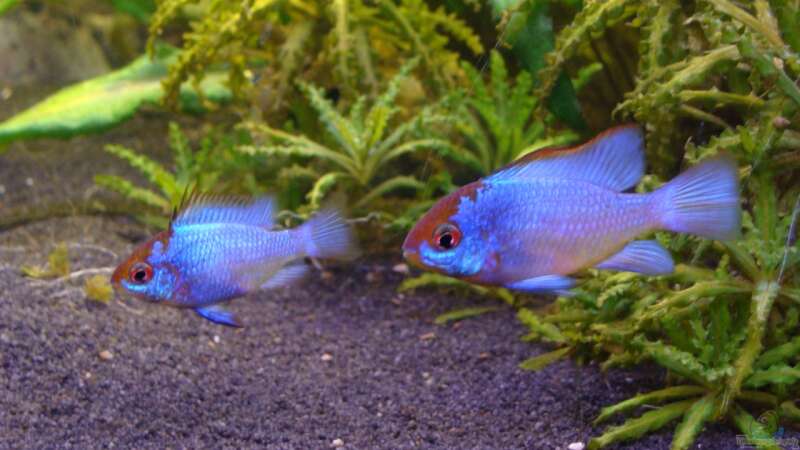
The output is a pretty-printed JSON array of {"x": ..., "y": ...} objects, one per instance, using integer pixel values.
[
  {"x": 328, "y": 235},
  {"x": 704, "y": 200}
]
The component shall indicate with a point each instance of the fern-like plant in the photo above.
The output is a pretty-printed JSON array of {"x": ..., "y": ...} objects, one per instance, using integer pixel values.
[
  {"x": 360, "y": 146},
  {"x": 282, "y": 41},
  {"x": 208, "y": 168},
  {"x": 728, "y": 334},
  {"x": 497, "y": 123}
]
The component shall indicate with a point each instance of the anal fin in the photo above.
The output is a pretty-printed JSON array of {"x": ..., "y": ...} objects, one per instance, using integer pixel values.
[
  {"x": 646, "y": 257},
  {"x": 218, "y": 315},
  {"x": 286, "y": 275},
  {"x": 556, "y": 284}
]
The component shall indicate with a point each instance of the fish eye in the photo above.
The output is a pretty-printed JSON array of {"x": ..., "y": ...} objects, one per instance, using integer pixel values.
[
  {"x": 446, "y": 236},
  {"x": 140, "y": 273}
]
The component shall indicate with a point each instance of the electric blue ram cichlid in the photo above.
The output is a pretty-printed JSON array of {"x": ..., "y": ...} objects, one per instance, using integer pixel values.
[
  {"x": 220, "y": 248},
  {"x": 554, "y": 212}
]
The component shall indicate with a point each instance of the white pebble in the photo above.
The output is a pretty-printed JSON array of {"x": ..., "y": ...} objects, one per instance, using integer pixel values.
[
  {"x": 576, "y": 446},
  {"x": 216, "y": 339},
  {"x": 29, "y": 181},
  {"x": 2, "y": 189},
  {"x": 327, "y": 357},
  {"x": 401, "y": 268},
  {"x": 337, "y": 443}
]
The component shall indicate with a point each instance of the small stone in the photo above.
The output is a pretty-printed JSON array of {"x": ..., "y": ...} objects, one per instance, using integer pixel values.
[
  {"x": 337, "y": 443},
  {"x": 401, "y": 268},
  {"x": 326, "y": 357},
  {"x": 484, "y": 355},
  {"x": 106, "y": 355},
  {"x": 87, "y": 375},
  {"x": 427, "y": 336},
  {"x": 2, "y": 189},
  {"x": 326, "y": 275},
  {"x": 576, "y": 446},
  {"x": 6, "y": 93},
  {"x": 29, "y": 182},
  {"x": 216, "y": 339}
]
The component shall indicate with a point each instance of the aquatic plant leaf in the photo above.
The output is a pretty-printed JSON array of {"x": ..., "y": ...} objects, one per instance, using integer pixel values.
[
  {"x": 635, "y": 428},
  {"x": 529, "y": 31},
  {"x": 322, "y": 187},
  {"x": 139, "y": 9},
  {"x": 779, "y": 354},
  {"x": 463, "y": 313},
  {"x": 102, "y": 102},
  {"x": 129, "y": 190},
  {"x": 392, "y": 184},
  {"x": 698, "y": 414},
  {"x": 6, "y": 5},
  {"x": 680, "y": 362},
  {"x": 777, "y": 374},
  {"x": 661, "y": 395},
  {"x": 151, "y": 169},
  {"x": 98, "y": 288},
  {"x": 540, "y": 329},
  {"x": 539, "y": 362}
]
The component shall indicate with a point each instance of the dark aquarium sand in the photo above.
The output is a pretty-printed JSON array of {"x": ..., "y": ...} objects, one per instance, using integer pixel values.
[{"x": 339, "y": 361}]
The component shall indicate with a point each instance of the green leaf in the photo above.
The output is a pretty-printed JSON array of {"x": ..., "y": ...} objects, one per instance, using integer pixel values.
[
  {"x": 322, "y": 186},
  {"x": 530, "y": 33},
  {"x": 102, "y": 102},
  {"x": 700, "y": 413},
  {"x": 139, "y": 9},
  {"x": 777, "y": 374},
  {"x": 779, "y": 354},
  {"x": 6, "y": 5},
  {"x": 131, "y": 191},
  {"x": 540, "y": 329},
  {"x": 658, "y": 396},
  {"x": 539, "y": 362},
  {"x": 635, "y": 428},
  {"x": 463, "y": 313},
  {"x": 398, "y": 182}
]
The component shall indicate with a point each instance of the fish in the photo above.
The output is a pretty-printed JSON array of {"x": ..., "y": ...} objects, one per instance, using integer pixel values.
[
  {"x": 532, "y": 224},
  {"x": 218, "y": 248}
]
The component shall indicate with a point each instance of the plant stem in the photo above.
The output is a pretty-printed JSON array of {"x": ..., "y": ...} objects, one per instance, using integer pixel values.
[
  {"x": 744, "y": 17},
  {"x": 704, "y": 116},
  {"x": 720, "y": 97},
  {"x": 760, "y": 307}
]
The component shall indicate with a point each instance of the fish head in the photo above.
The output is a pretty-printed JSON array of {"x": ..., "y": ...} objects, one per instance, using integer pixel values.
[
  {"x": 147, "y": 274},
  {"x": 447, "y": 239}
]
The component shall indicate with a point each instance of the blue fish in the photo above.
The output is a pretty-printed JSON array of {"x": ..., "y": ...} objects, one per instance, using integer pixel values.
[
  {"x": 220, "y": 248},
  {"x": 554, "y": 212}
]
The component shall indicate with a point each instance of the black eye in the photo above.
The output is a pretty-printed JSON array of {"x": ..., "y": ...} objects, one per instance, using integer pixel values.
[
  {"x": 140, "y": 273},
  {"x": 446, "y": 236},
  {"x": 446, "y": 240}
]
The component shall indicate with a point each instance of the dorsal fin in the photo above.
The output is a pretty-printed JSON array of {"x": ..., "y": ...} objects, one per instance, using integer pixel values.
[
  {"x": 614, "y": 159},
  {"x": 205, "y": 208}
]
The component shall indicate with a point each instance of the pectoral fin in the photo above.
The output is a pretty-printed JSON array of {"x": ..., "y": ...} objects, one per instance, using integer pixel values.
[
  {"x": 646, "y": 257},
  {"x": 557, "y": 284},
  {"x": 218, "y": 315}
]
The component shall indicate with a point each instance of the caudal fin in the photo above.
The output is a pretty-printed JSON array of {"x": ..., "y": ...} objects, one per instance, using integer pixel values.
[
  {"x": 328, "y": 235},
  {"x": 704, "y": 200}
]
